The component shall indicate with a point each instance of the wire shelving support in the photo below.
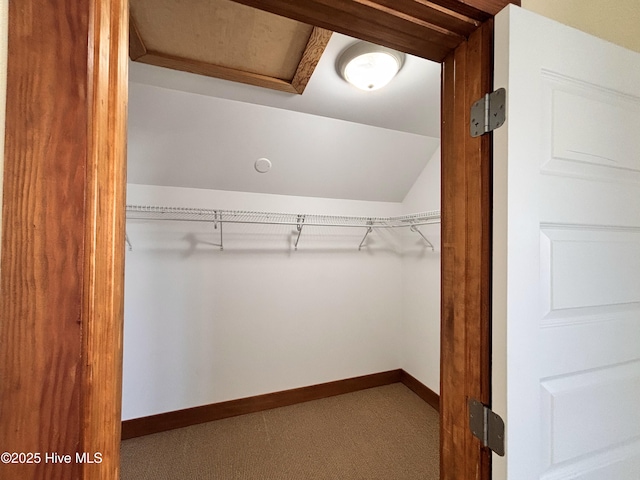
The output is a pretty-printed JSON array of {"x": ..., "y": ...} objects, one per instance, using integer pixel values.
[
  {"x": 417, "y": 230},
  {"x": 298, "y": 220}
]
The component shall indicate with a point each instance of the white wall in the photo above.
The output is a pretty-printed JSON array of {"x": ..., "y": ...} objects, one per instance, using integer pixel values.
[
  {"x": 204, "y": 325},
  {"x": 420, "y": 333}
]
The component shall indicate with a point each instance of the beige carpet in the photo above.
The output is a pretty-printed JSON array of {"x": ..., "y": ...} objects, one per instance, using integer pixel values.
[{"x": 385, "y": 433}]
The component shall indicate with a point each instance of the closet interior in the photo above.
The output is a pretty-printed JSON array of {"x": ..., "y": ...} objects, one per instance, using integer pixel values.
[{"x": 327, "y": 267}]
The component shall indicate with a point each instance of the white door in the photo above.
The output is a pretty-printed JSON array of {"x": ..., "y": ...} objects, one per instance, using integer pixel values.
[{"x": 566, "y": 308}]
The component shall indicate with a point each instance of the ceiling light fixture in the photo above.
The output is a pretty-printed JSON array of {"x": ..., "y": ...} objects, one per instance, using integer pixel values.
[{"x": 368, "y": 66}]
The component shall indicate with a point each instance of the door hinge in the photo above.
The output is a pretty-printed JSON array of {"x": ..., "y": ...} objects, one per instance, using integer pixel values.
[
  {"x": 487, "y": 426},
  {"x": 488, "y": 113}
]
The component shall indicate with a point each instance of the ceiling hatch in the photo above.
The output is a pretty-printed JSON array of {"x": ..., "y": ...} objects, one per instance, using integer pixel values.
[{"x": 223, "y": 39}]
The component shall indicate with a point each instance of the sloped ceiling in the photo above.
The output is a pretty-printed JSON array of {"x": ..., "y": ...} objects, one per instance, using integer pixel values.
[{"x": 332, "y": 141}]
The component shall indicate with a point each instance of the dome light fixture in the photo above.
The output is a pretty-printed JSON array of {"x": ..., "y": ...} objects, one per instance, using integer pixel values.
[{"x": 368, "y": 66}]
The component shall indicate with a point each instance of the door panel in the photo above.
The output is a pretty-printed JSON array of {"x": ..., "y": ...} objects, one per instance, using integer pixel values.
[{"x": 566, "y": 340}]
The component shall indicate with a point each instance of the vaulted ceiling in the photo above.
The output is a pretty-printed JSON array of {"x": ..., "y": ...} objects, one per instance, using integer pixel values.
[{"x": 330, "y": 140}]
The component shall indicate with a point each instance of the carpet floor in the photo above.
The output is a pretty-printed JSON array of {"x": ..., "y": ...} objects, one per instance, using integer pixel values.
[{"x": 385, "y": 433}]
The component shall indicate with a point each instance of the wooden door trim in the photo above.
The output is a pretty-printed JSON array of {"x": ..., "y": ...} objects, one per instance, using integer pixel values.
[
  {"x": 104, "y": 229},
  {"x": 465, "y": 369},
  {"x": 427, "y": 28},
  {"x": 61, "y": 288},
  {"x": 63, "y": 213}
]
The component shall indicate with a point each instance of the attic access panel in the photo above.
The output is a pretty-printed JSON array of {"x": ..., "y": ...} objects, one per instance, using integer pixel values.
[{"x": 227, "y": 40}]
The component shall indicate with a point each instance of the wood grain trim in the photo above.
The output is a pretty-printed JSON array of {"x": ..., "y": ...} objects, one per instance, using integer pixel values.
[
  {"x": 310, "y": 58},
  {"x": 217, "y": 71},
  {"x": 136, "y": 46},
  {"x": 217, "y": 411},
  {"x": 466, "y": 257},
  {"x": 416, "y": 17},
  {"x": 428, "y": 29},
  {"x": 61, "y": 276},
  {"x": 490, "y": 7},
  {"x": 420, "y": 389},
  {"x": 481, "y": 10},
  {"x": 367, "y": 22},
  {"x": 480, "y": 220},
  {"x": 435, "y": 15},
  {"x": 42, "y": 238},
  {"x": 104, "y": 230}
]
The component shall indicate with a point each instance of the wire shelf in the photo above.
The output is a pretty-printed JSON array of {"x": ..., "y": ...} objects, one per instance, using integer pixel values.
[
  {"x": 299, "y": 220},
  {"x": 146, "y": 212}
]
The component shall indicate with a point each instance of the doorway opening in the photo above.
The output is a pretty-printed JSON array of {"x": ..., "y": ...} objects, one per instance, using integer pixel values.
[
  {"x": 269, "y": 307},
  {"x": 91, "y": 212}
]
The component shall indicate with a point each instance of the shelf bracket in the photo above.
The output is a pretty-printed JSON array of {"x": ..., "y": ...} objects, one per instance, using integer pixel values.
[
  {"x": 299, "y": 228},
  {"x": 369, "y": 229},
  {"x": 126, "y": 239},
  {"x": 417, "y": 230},
  {"x": 217, "y": 219}
]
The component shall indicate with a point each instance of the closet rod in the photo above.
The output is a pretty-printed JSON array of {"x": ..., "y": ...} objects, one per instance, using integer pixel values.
[{"x": 179, "y": 214}]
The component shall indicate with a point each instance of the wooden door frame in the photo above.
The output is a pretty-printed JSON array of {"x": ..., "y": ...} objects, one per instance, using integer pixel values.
[{"x": 62, "y": 263}]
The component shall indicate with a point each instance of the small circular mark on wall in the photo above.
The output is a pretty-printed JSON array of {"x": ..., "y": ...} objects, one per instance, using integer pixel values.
[{"x": 263, "y": 165}]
